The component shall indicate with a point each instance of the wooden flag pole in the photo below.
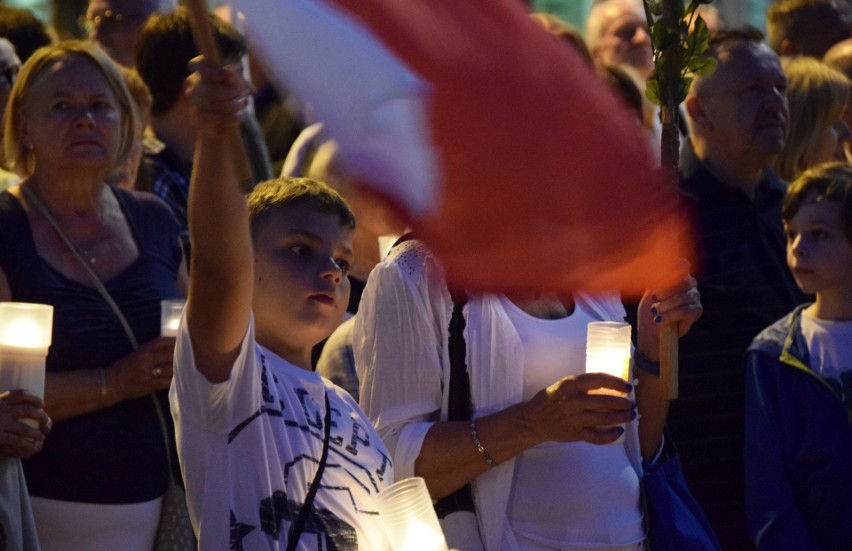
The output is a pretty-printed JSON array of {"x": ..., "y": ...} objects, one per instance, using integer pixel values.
[
  {"x": 670, "y": 148},
  {"x": 205, "y": 41}
]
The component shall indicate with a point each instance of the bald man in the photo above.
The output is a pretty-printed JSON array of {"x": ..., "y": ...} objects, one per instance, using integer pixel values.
[
  {"x": 115, "y": 24},
  {"x": 617, "y": 34}
]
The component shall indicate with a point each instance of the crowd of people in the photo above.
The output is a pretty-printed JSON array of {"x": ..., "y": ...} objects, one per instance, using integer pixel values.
[{"x": 323, "y": 353}]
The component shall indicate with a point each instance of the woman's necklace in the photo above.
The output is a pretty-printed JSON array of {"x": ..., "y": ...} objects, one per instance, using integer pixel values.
[{"x": 85, "y": 253}]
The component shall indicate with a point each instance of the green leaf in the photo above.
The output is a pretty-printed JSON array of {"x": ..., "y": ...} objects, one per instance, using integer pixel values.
[
  {"x": 684, "y": 89},
  {"x": 702, "y": 66},
  {"x": 655, "y": 7},
  {"x": 652, "y": 92}
]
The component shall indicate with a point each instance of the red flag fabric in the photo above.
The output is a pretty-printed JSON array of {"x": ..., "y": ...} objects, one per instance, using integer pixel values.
[{"x": 543, "y": 180}]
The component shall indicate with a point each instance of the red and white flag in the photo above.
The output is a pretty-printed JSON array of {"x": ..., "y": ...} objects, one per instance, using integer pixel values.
[{"x": 512, "y": 160}]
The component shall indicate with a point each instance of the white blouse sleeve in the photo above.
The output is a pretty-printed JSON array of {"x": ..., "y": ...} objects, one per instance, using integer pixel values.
[{"x": 399, "y": 350}]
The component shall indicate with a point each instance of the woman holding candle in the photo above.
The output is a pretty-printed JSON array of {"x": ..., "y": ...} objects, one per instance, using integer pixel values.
[
  {"x": 541, "y": 477},
  {"x": 69, "y": 124},
  {"x": 19, "y": 411}
]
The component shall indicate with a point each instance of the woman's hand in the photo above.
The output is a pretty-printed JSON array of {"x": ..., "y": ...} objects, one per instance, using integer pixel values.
[
  {"x": 16, "y": 438},
  {"x": 566, "y": 411},
  {"x": 143, "y": 371},
  {"x": 219, "y": 95},
  {"x": 680, "y": 304}
]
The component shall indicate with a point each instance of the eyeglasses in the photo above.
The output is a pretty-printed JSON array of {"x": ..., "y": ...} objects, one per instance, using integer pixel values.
[
  {"x": 8, "y": 75},
  {"x": 110, "y": 20}
]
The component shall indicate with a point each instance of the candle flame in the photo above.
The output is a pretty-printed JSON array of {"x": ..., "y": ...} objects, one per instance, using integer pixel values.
[{"x": 23, "y": 333}]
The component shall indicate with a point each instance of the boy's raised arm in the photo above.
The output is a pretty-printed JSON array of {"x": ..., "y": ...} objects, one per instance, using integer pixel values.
[{"x": 221, "y": 275}]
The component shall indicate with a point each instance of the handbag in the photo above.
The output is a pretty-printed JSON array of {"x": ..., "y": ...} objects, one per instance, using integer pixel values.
[
  {"x": 675, "y": 522},
  {"x": 174, "y": 532}
]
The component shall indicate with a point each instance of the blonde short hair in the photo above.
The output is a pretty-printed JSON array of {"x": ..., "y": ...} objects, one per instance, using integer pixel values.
[
  {"x": 22, "y": 159},
  {"x": 817, "y": 96}
]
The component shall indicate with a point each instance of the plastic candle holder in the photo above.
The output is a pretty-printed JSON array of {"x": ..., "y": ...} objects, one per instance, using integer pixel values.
[
  {"x": 25, "y": 336},
  {"x": 409, "y": 518},
  {"x": 608, "y": 351},
  {"x": 170, "y": 313}
]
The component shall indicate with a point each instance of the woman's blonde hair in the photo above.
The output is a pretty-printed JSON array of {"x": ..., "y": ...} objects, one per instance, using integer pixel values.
[
  {"x": 817, "y": 97},
  {"x": 21, "y": 158}
]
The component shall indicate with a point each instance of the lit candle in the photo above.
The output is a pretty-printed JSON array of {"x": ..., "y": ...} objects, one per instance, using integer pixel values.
[
  {"x": 170, "y": 313},
  {"x": 608, "y": 351},
  {"x": 25, "y": 336},
  {"x": 409, "y": 518}
]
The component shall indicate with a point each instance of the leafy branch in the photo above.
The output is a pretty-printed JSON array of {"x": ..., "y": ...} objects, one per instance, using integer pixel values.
[
  {"x": 679, "y": 53},
  {"x": 679, "y": 40}
]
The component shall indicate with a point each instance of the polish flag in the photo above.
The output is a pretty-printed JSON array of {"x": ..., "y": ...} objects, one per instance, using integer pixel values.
[{"x": 510, "y": 158}]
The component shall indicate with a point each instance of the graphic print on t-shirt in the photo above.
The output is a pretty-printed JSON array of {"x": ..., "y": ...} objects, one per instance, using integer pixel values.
[{"x": 344, "y": 476}]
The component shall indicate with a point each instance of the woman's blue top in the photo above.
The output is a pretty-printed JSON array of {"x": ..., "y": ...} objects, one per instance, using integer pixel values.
[{"x": 116, "y": 454}]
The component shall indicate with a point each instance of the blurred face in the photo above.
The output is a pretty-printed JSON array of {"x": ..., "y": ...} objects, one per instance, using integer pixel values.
[
  {"x": 624, "y": 38},
  {"x": 115, "y": 25},
  {"x": 71, "y": 117},
  {"x": 818, "y": 252},
  {"x": 827, "y": 27},
  {"x": 9, "y": 67},
  {"x": 301, "y": 289},
  {"x": 830, "y": 144},
  {"x": 745, "y": 104}
]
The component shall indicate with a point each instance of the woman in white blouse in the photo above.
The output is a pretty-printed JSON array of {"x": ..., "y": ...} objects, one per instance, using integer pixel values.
[{"x": 541, "y": 472}]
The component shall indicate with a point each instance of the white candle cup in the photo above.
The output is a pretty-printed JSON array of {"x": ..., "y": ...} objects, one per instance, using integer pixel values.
[
  {"x": 409, "y": 518},
  {"x": 25, "y": 336},
  {"x": 170, "y": 313},
  {"x": 608, "y": 351}
]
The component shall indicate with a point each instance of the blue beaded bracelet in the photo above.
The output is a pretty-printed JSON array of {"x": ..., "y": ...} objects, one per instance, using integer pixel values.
[{"x": 644, "y": 364}]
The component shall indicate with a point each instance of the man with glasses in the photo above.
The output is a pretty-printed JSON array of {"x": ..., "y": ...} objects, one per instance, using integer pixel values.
[{"x": 115, "y": 24}]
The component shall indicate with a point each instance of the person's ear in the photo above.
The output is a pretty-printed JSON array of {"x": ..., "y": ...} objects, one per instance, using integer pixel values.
[
  {"x": 694, "y": 107},
  {"x": 788, "y": 48}
]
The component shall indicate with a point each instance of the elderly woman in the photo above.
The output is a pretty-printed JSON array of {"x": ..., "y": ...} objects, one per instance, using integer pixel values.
[
  {"x": 69, "y": 123},
  {"x": 818, "y": 96}
]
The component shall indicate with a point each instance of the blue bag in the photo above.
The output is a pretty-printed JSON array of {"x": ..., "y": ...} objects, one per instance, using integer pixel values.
[{"x": 674, "y": 519}]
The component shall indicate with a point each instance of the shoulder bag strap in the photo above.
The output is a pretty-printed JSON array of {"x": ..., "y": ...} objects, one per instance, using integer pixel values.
[
  {"x": 458, "y": 403},
  {"x": 33, "y": 198},
  {"x": 298, "y": 526}
]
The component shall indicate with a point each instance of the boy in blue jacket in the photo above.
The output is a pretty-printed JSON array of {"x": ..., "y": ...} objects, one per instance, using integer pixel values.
[{"x": 798, "y": 436}]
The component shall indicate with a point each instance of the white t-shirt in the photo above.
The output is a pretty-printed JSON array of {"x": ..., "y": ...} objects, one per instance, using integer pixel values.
[
  {"x": 249, "y": 449},
  {"x": 599, "y": 508},
  {"x": 829, "y": 345}
]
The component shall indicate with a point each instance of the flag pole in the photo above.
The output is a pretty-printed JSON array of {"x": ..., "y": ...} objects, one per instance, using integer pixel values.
[{"x": 205, "y": 41}]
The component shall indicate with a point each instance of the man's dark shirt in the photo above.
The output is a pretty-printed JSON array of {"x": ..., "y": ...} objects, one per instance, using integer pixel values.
[{"x": 745, "y": 286}]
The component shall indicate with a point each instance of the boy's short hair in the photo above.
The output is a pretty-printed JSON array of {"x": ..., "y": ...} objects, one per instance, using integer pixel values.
[
  {"x": 826, "y": 182},
  {"x": 289, "y": 192}
]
